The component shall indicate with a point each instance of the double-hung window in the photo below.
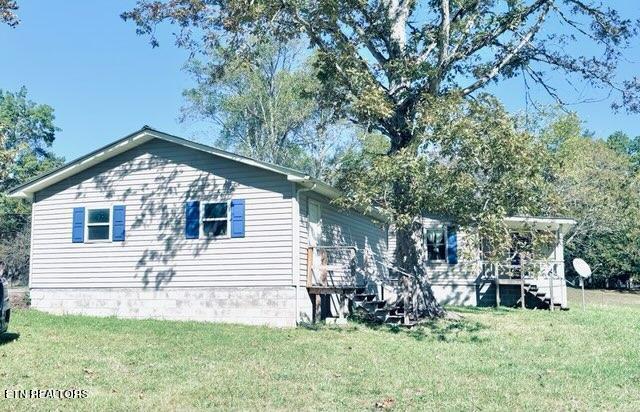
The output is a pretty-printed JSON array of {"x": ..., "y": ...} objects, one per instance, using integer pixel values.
[
  {"x": 98, "y": 224},
  {"x": 436, "y": 244},
  {"x": 215, "y": 219}
]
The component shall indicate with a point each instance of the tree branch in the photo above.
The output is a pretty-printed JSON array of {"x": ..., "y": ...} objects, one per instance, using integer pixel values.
[
  {"x": 500, "y": 29},
  {"x": 499, "y": 65},
  {"x": 444, "y": 33}
]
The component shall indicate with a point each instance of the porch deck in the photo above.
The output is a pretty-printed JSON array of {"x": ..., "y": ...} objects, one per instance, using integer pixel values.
[{"x": 540, "y": 280}]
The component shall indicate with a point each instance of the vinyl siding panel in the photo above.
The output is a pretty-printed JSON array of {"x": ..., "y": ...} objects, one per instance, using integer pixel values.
[
  {"x": 467, "y": 270},
  {"x": 345, "y": 228},
  {"x": 154, "y": 181}
]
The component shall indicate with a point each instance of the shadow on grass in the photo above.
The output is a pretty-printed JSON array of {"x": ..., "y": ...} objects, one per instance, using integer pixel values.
[
  {"x": 449, "y": 331},
  {"x": 441, "y": 330},
  {"x": 474, "y": 309},
  {"x": 8, "y": 337}
]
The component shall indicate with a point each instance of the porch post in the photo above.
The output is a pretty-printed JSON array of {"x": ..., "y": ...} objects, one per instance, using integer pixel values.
[
  {"x": 522, "y": 290},
  {"x": 551, "y": 286},
  {"x": 497, "y": 280},
  {"x": 560, "y": 268}
]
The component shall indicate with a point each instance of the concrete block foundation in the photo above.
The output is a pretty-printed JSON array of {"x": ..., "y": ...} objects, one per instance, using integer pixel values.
[{"x": 272, "y": 306}]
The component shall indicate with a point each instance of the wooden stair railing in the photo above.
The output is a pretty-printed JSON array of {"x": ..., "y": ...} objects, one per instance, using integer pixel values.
[{"x": 321, "y": 281}]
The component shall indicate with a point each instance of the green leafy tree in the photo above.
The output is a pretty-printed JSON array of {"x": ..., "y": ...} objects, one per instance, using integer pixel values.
[
  {"x": 619, "y": 142},
  {"x": 267, "y": 107},
  {"x": 474, "y": 167},
  {"x": 597, "y": 185},
  {"x": 27, "y": 131},
  {"x": 8, "y": 10},
  {"x": 622, "y": 143},
  {"x": 388, "y": 65}
]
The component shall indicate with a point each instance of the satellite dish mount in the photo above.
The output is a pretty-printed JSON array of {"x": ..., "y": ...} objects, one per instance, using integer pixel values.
[{"x": 583, "y": 269}]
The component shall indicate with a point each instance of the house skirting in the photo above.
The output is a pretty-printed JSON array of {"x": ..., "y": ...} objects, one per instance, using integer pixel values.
[
  {"x": 483, "y": 293},
  {"x": 272, "y": 306}
]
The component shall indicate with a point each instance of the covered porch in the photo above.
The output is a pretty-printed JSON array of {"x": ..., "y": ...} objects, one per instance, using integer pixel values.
[{"x": 532, "y": 272}]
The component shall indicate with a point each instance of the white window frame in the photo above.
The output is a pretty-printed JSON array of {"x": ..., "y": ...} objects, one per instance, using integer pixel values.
[
  {"x": 444, "y": 229},
  {"x": 203, "y": 235},
  {"x": 86, "y": 223}
]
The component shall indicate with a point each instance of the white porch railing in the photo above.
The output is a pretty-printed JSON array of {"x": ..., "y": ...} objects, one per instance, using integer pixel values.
[{"x": 540, "y": 272}]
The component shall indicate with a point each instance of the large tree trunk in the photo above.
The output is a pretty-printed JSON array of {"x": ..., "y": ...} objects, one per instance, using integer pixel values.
[
  {"x": 417, "y": 293},
  {"x": 409, "y": 254}
]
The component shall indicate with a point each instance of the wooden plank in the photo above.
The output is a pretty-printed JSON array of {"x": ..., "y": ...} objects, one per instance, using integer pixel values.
[
  {"x": 324, "y": 272},
  {"x": 309, "y": 267},
  {"x": 516, "y": 282},
  {"x": 317, "y": 308},
  {"x": 329, "y": 290}
]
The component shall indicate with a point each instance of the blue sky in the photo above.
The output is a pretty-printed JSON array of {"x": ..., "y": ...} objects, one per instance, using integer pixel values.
[{"x": 104, "y": 81}]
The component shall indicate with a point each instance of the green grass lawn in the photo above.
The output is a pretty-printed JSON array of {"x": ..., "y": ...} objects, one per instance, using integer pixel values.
[
  {"x": 492, "y": 360},
  {"x": 603, "y": 297}
]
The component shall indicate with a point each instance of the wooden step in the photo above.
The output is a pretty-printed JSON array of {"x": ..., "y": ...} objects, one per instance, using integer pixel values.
[
  {"x": 381, "y": 313},
  {"x": 397, "y": 311},
  {"x": 373, "y": 304},
  {"x": 395, "y": 319},
  {"x": 364, "y": 296}
]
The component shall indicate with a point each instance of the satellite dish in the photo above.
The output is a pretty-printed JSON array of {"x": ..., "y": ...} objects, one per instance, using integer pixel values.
[{"x": 582, "y": 268}]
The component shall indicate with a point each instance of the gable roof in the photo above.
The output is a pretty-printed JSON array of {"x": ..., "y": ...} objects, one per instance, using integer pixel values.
[{"x": 145, "y": 134}]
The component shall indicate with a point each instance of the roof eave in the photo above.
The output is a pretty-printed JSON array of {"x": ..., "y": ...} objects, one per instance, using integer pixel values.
[
  {"x": 27, "y": 189},
  {"x": 563, "y": 224},
  {"x": 332, "y": 193}
]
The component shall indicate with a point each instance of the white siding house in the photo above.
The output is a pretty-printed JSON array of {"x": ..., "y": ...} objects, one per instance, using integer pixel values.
[
  {"x": 154, "y": 226},
  {"x": 458, "y": 275}
]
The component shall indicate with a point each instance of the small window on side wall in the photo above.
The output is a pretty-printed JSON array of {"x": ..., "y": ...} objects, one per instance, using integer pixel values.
[
  {"x": 215, "y": 219},
  {"x": 436, "y": 244},
  {"x": 98, "y": 224}
]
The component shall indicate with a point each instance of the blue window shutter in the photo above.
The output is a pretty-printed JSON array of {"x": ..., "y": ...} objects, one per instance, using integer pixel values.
[
  {"x": 237, "y": 218},
  {"x": 119, "y": 223},
  {"x": 452, "y": 245},
  {"x": 192, "y": 220},
  {"x": 77, "y": 229}
]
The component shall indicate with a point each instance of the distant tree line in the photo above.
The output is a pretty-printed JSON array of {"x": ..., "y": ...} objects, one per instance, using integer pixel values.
[
  {"x": 597, "y": 182},
  {"x": 27, "y": 131}
]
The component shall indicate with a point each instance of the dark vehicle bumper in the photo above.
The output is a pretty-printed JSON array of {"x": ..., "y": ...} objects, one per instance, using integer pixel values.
[
  {"x": 4, "y": 323},
  {"x": 5, "y": 311}
]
